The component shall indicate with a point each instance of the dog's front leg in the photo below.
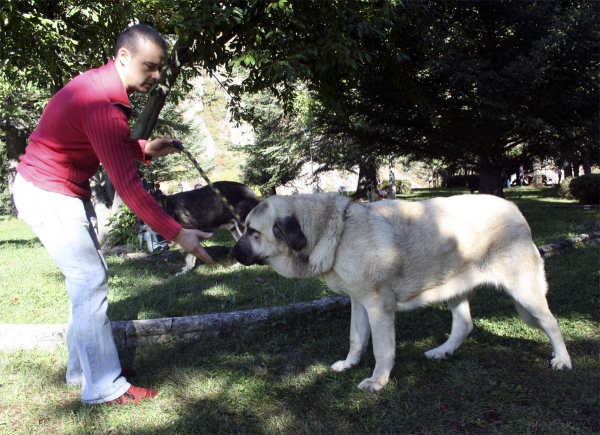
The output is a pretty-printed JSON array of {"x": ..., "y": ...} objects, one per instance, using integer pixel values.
[
  {"x": 381, "y": 319},
  {"x": 359, "y": 336},
  {"x": 190, "y": 262}
]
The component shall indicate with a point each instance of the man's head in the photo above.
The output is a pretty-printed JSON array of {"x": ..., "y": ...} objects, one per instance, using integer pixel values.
[{"x": 140, "y": 53}]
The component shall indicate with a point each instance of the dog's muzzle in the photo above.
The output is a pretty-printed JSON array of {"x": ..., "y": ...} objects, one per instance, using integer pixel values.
[{"x": 243, "y": 254}]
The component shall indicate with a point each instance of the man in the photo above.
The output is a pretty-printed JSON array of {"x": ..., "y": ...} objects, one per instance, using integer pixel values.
[
  {"x": 521, "y": 175},
  {"x": 559, "y": 172},
  {"x": 84, "y": 124}
]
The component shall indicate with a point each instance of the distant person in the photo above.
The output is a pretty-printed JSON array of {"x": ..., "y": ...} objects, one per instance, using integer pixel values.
[
  {"x": 85, "y": 124},
  {"x": 521, "y": 175},
  {"x": 505, "y": 178},
  {"x": 559, "y": 172},
  {"x": 156, "y": 192}
]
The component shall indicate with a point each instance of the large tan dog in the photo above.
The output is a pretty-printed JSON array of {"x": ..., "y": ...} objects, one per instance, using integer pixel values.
[{"x": 394, "y": 255}]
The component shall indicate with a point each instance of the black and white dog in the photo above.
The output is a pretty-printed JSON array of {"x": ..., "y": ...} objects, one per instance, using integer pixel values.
[{"x": 202, "y": 209}]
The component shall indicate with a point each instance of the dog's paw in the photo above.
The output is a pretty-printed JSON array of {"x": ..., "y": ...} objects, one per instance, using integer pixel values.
[
  {"x": 371, "y": 385},
  {"x": 341, "y": 365},
  {"x": 561, "y": 363},
  {"x": 183, "y": 271},
  {"x": 438, "y": 353}
]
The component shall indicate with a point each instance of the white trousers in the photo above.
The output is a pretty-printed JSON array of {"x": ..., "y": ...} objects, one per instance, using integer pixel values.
[{"x": 62, "y": 223}]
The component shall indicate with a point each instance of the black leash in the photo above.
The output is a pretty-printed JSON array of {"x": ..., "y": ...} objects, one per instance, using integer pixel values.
[
  {"x": 225, "y": 201},
  {"x": 177, "y": 144}
]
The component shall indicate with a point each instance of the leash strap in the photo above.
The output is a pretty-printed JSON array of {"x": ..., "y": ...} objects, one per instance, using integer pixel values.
[{"x": 177, "y": 144}]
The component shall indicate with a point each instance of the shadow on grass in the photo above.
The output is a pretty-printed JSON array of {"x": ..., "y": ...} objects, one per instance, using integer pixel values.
[
  {"x": 223, "y": 287},
  {"x": 279, "y": 381}
]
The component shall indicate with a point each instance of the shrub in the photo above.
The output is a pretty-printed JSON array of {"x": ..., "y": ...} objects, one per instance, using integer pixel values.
[
  {"x": 403, "y": 187},
  {"x": 456, "y": 181},
  {"x": 472, "y": 182},
  {"x": 121, "y": 227},
  {"x": 5, "y": 203},
  {"x": 585, "y": 189},
  {"x": 564, "y": 191}
]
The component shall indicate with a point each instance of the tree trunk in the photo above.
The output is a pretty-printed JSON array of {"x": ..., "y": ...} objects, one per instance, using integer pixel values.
[
  {"x": 490, "y": 178},
  {"x": 104, "y": 195},
  {"x": 575, "y": 162},
  {"x": 585, "y": 160},
  {"x": 367, "y": 178},
  {"x": 392, "y": 193},
  {"x": 537, "y": 173},
  {"x": 16, "y": 141},
  {"x": 269, "y": 191},
  {"x": 567, "y": 169},
  {"x": 156, "y": 100}
]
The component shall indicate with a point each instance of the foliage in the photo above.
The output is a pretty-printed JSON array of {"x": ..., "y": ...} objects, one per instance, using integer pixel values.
[
  {"x": 45, "y": 42},
  {"x": 174, "y": 122},
  {"x": 456, "y": 181},
  {"x": 564, "y": 188},
  {"x": 5, "y": 202},
  {"x": 403, "y": 187},
  {"x": 585, "y": 189},
  {"x": 281, "y": 147},
  {"x": 121, "y": 227},
  {"x": 460, "y": 81},
  {"x": 471, "y": 82}
]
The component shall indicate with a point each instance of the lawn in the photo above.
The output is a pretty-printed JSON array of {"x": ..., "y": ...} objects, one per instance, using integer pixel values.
[{"x": 278, "y": 380}]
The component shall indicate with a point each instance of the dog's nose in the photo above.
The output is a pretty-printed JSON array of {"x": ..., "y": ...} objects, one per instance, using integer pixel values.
[{"x": 239, "y": 255}]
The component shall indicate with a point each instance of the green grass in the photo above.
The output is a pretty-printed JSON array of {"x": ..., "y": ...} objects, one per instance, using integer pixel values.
[
  {"x": 278, "y": 380},
  {"x": 32, "y": 288}
]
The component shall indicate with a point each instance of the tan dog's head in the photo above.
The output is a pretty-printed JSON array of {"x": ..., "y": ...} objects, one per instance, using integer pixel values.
[{"x": 295, "y": 235}]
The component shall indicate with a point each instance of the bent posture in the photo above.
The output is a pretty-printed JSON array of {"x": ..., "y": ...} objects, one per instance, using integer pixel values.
[{"x": 83, "y": 125}]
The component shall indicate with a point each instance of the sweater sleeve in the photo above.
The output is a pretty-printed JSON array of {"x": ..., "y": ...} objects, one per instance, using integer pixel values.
[
  {"x": 108, "y": 132},
  {"x": 138, "y": 148}
]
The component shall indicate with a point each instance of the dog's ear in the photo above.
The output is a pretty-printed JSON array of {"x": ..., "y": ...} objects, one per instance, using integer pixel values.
[{"x": 288, "y": 229}]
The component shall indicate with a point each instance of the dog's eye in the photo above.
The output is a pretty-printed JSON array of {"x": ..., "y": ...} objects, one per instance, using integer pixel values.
[{"x": 256, "y": 236}]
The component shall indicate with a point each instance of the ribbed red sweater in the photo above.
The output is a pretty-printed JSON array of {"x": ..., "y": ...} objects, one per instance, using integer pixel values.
[{"x": 83, "y": 125}]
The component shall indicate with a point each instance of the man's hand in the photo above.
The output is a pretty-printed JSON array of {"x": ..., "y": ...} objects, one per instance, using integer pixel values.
[
  {"x": 189, "y": 240},
  {"x": 160, "y": 147}
]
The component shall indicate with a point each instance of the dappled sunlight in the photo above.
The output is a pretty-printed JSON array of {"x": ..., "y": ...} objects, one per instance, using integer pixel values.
[
  {"x": 305, "y": 378},
  {"x": 508, "y": 327}
]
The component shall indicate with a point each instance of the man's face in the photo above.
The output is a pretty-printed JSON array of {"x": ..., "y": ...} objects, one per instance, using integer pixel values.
[{"x": 142, "y": 69}]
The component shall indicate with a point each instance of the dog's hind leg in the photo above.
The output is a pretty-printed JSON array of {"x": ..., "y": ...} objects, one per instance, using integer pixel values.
[
  {"x": 534, "y": 311},
  {"x": 462, "y": 325},
  {"x": 360, "y": 333},
  {"x": 528, "y": 291},
  {"x": 544, "y": 319}
]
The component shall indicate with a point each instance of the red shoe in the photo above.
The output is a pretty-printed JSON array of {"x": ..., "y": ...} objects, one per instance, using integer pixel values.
[{"x": 133, "y": 395}]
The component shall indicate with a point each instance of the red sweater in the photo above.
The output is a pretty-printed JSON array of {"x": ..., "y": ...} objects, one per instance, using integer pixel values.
[{"x": 83, "y": 125}]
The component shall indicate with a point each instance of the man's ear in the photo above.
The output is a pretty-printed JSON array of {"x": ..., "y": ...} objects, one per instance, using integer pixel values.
[
  {"x": 288, "y": 229},
  {"x": 123, "y": 56}
]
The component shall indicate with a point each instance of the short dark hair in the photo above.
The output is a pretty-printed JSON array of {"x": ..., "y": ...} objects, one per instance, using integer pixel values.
[{"x": 131, "y": 37}]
